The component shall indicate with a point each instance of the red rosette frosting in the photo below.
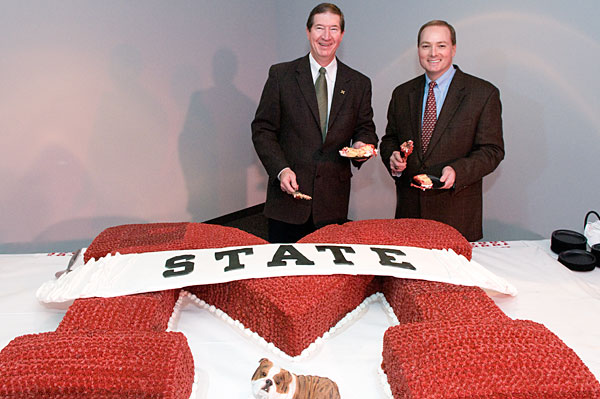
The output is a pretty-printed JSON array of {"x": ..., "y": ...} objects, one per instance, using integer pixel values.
[
  {"x": 150, "y": 237},
  {"x": 420, "y": 233},
  {"x": 290, "y": 312},
  {"x": 494, "y": 359},
  {"x": 141, "y": 312},
  {"x": 420, "y": 300},
  {"x": 135, "y": 364}
]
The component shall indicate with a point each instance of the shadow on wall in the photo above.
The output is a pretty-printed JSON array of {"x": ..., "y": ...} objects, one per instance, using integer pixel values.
[
  {"x": 124, "y": 172},
  {"x": 52, "y": 195},
  {"x": 128, "y": 150},
  {"x": 215, "y": 145}
]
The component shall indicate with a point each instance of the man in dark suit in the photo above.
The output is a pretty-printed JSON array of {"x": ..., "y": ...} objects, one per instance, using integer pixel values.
[
  {"x": 457, "y": 136},
  {"x": 298, "y": 140}
]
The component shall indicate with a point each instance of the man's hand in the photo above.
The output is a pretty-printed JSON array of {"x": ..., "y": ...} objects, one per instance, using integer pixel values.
[
  {"x": 397, "y": 163},
  {"x": 358, "y": 144},
  {"x": 448, "y": 177},
  {"x": 287, "y": 181}
]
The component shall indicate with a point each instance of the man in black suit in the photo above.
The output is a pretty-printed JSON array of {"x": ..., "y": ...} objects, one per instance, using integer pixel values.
[
  {"x": 298, "y": 141},
  {"x": 465, "y": 136}
]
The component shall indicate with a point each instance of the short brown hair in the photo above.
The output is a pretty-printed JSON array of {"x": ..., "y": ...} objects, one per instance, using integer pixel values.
[
  {"x": 323, "y": 8},
  {"x": 438, "y": 22}
]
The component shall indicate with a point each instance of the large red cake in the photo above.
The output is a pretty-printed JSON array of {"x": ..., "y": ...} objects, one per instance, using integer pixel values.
[{"x": 452, "y": 341}]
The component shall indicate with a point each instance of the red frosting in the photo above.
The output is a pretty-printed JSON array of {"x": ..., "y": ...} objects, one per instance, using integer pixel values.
[
  {"x": 135, "y": 364},
  {"x": 142, "y": 312},
  {"x": 402, "y": 232},
  {"x": 483, "y": 359},
  {"x": 418, "y": 300},
  {"x": 290, "y": 312},
  {"x": 138, "y": 238}
]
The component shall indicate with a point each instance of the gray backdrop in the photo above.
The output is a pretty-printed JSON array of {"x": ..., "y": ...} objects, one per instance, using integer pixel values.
[{"x": 122, "y": 112}]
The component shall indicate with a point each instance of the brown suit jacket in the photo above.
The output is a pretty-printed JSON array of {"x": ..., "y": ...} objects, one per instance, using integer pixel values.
[
  {"x": 467, "y": 137},
  {"x": 286, "y": 133}
]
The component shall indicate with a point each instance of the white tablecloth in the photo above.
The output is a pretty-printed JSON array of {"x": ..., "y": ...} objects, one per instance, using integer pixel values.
[{"x": 567, "y": 302}]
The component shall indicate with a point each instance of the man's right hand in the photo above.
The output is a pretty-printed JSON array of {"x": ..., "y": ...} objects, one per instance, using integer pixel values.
[
  {"x": 397, "y": 163},
  {"x": 287, "y": 181}
]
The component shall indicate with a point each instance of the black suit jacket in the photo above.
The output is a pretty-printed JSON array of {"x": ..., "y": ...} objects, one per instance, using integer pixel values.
[
  {"x": 467, "y": 137},
  {"x": 286, "y": 133}
]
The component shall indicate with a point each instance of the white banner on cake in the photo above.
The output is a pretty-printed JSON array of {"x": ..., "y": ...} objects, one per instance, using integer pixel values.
[{"x": 156, "y": 271}]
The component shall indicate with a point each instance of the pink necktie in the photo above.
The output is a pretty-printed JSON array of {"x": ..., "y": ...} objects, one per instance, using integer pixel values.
[{"x": 429, "y": 118}]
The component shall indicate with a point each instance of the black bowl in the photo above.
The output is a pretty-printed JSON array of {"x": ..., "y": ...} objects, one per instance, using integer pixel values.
[
  {"x": 563, "y": 240},
  {"x": 578, "y": 260}
]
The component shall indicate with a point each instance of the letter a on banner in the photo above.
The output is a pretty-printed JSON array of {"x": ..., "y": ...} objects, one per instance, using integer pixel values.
[{"x": 290, "y": 253}]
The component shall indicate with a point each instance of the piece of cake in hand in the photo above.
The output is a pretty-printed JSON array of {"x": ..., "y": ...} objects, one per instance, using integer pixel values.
[
  {"x": 366, "y": 151},
  {"x": 422, "y": 181},
  {"x": 299, "y": 195},
  {"x": 406, "y": 148}
]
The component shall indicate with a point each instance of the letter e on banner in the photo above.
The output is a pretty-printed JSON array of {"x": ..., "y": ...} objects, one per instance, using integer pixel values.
[{"x": 387, "y": 258}]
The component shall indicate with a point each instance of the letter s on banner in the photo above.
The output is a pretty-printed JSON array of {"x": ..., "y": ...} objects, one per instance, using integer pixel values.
[{"x": 176, "y": 262}]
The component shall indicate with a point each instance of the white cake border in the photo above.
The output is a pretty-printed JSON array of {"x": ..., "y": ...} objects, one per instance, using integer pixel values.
[
  {"x": 306, "y": 353},
  {"x": 269, "y": 346}
]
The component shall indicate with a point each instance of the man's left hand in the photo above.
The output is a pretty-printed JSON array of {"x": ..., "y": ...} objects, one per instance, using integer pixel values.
[{"x": 448, "y": 177}]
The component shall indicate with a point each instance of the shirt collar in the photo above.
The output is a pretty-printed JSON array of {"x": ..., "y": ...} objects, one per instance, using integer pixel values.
[
  {"x": 444, "y": 80},
  {"x": 314, "y": 67}
]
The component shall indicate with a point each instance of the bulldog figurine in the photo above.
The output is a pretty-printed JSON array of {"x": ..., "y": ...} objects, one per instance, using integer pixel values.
[{"x": 271, "y": 382}]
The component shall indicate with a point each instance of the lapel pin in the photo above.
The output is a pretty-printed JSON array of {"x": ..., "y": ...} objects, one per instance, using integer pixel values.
[{"x": 342, "y": 91}]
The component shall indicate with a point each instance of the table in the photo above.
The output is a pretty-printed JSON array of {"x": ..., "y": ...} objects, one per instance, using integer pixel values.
[{"x": 566, "y": 302}]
